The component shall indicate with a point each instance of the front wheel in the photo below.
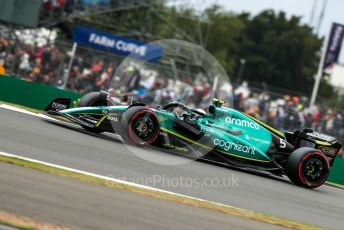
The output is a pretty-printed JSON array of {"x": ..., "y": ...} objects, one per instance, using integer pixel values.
[
  {"x": 140, "y": 126},
  {"x": 308, "y": 167},
  {"x": 92, "y": 99}
]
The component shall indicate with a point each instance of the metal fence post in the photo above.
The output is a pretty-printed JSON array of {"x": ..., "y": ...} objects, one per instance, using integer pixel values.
[{"x": 66, "y": 73}]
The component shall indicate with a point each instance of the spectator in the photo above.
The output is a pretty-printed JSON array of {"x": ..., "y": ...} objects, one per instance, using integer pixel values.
[
  {"x": 2, "y": 70},
  {"x": 47, "y": 64}
]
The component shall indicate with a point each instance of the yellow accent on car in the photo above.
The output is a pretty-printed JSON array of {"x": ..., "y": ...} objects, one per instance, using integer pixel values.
[
  {"x": 210, "y": 148},
  {"x": 325, "y": 143},
  {"x": 102, "y": 119},
  {"x": 218, "y": 102},
  {"x": 163, "y": 118},
  {"x": 266, "y": 126}
]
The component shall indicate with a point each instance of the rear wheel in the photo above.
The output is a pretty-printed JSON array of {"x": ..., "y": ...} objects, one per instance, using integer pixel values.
[
  {"x": 308, "y": 167},
  {"x": 140, "y": 126},
  {"x": 92, "y": 99}
]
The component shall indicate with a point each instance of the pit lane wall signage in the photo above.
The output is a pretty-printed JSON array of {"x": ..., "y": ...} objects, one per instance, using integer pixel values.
[{"x": 117, "y": 44}]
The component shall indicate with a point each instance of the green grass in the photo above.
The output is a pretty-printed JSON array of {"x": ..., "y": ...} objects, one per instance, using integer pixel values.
[
  {"x": 335, "y": 185},
  {"x": 14, "y": 225},
  {"x": 33, "y": 110},
  {"x": 238, "y": 212},
  {"x": 21, "y": 107}
]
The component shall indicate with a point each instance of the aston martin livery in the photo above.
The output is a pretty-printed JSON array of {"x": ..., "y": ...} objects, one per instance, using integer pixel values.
[{"x": 220, "y": 134}]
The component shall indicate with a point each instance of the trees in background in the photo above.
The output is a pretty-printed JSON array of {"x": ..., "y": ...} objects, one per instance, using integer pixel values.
[{"x": 279, "y": 50}]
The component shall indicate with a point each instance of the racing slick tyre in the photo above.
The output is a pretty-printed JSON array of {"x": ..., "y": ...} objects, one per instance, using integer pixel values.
[
  {"x": 140, "y": 126},
  {"x": 91, "y": 100},
  {"x": 307, "y": 167}
]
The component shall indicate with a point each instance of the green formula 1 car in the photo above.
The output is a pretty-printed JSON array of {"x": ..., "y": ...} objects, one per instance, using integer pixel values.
[{"x": 221, "y": 135}]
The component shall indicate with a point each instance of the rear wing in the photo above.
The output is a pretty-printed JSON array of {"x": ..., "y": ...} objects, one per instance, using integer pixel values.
[{"x": 58, "y": 104}]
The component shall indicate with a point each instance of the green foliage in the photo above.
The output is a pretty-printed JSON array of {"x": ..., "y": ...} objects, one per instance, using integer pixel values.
[
  {"x": 279, "y": 51},
  {"x": 225, "y": 37}
]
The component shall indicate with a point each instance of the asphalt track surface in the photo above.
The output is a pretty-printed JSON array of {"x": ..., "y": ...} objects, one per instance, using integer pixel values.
[
  {"x": 81, "y": 205},
  {"x": 32, "y": 137}
]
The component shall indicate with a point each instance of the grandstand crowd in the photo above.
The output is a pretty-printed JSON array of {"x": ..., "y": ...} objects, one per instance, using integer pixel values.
[
  {"x": 47, "y": 64},
  {"x": 56, "y": 8}
]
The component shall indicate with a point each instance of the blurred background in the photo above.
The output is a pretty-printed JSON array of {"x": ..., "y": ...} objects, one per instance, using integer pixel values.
[{"x": 271, "y": 52}]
